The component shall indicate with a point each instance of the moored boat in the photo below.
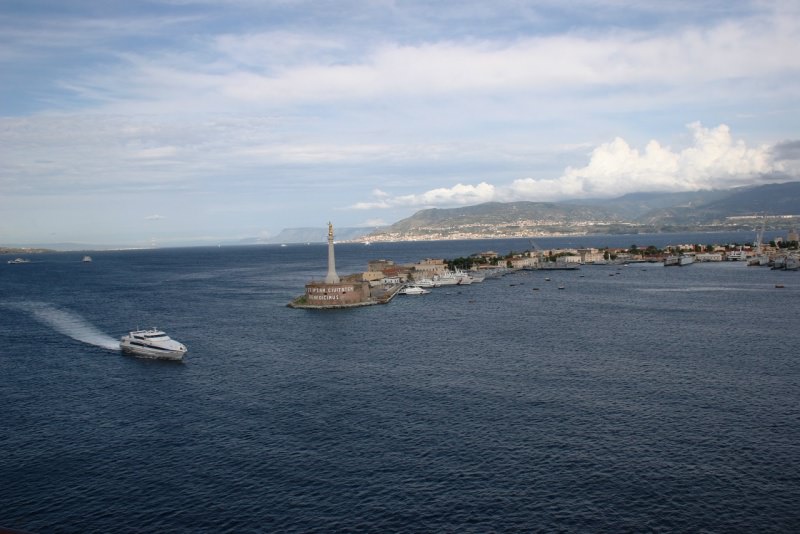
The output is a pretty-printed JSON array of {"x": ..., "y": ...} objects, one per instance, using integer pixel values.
[
  {"x": 464, "y": 279},
  {"x": 413, "y": 290},
  {"x": 477, "y": 277},
  {"x": 447, "y": 278},
  {"x": 680, "y": 261}
]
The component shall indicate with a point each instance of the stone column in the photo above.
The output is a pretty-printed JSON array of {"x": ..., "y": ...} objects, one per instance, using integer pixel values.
[{"x": 332, "y": 277}]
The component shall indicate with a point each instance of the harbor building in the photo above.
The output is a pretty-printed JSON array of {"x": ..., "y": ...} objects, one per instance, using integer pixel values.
[
  {"x": 334, "y": 291},
  {"x": 430, "y": 267},
  {"x": 340, "y": 292}
]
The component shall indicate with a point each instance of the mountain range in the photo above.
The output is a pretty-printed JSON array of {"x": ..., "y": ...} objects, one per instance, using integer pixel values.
[{"x": 705, "y": 210}]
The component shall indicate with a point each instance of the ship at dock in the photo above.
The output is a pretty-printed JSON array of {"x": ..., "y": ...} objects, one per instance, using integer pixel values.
[{"x": 678, "y": 260}]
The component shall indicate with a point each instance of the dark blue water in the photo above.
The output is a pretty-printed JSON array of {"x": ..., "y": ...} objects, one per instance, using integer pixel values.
[{"x": 637, "y": 399}]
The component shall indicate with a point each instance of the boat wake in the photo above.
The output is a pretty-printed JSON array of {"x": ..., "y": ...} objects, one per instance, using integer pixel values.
[{"x": 66, "y": 322}]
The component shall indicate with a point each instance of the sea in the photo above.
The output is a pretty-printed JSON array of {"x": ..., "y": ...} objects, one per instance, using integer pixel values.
[{"x": 637, "y": 398}]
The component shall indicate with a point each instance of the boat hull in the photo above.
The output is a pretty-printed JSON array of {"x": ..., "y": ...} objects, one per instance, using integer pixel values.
[
  {"x": 413, "y": 290},
  {"x": 151, "y": 353}
]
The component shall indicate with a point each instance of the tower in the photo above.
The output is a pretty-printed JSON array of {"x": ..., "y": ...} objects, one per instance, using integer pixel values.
[{"x": 331, "y": 277}]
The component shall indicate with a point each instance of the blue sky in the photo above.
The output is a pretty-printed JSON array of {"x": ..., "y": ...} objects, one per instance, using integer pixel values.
[{"x": 199, "y": 121}]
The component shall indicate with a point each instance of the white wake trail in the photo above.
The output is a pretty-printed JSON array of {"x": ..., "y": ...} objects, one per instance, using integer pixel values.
[{"x": 68, "y": 323}]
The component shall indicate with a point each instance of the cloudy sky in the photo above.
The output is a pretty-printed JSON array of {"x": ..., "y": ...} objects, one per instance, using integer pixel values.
[{"x": 177, "y": 121}]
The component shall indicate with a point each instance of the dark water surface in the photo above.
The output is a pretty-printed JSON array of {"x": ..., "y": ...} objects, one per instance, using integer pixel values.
[{"x": 639, "y": 398}]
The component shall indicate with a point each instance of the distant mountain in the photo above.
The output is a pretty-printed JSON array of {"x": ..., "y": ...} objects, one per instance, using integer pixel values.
[
  {"x": 767, "y": 200},
  {"x": 636, "y": 205},
  {"x": 635, "y": 212},
  {"x": 502, "y": 213}
]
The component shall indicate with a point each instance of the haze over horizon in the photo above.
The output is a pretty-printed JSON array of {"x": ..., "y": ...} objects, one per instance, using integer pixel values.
[{"x": 181, "y": 121}]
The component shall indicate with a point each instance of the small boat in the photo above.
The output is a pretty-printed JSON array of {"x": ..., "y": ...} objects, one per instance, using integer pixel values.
[
  {"x": 561, "y": 286},
  {"x": 87, "y": 259},
  {"x": 152, "y": 343},
  {"x": 19, "y": 260},
  {"x": 413, "y": 290}
]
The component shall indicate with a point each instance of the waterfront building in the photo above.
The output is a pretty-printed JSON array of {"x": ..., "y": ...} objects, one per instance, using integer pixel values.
[
  {"x": 524, "y": 262},
  {"x": 430, "y": 267},
  {"x": 379, "y": 266},
  {"x": 592, "y": 256},
  {"x": 336, "y": 292},
  {"x": 373, "y": 277}
]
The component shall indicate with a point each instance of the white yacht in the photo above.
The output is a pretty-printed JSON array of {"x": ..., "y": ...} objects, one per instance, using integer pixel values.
[
  {"x": 425, "y": 282},
  {"x": 413, "y": 290},
  {"x": 447, "y": 278},
  {"x": 87, "y": 259},
  {"x": 19, "y": 260},
  {"x": 152, "y": 343},
  {"x": 464, "y": 279}
]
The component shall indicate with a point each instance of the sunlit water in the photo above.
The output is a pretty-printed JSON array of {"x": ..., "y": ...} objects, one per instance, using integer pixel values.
[{"x": 638, "y": 398}]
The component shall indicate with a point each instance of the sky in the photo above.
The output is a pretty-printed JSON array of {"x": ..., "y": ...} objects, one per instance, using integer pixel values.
[{"x": 201, "y": 121}]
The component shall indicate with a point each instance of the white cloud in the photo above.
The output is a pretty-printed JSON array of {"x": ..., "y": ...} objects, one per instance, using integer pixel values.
[
  {"x": 714, "y": 160},
  {"x": 154, "y": 218},
  {"x": 278, "y": 68},
  {"x": 458, "y": 195},
  {"x": 276, "y": 47},
  {"x": 375, "y": 205},
  {"x": 156, "y": 152}
]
